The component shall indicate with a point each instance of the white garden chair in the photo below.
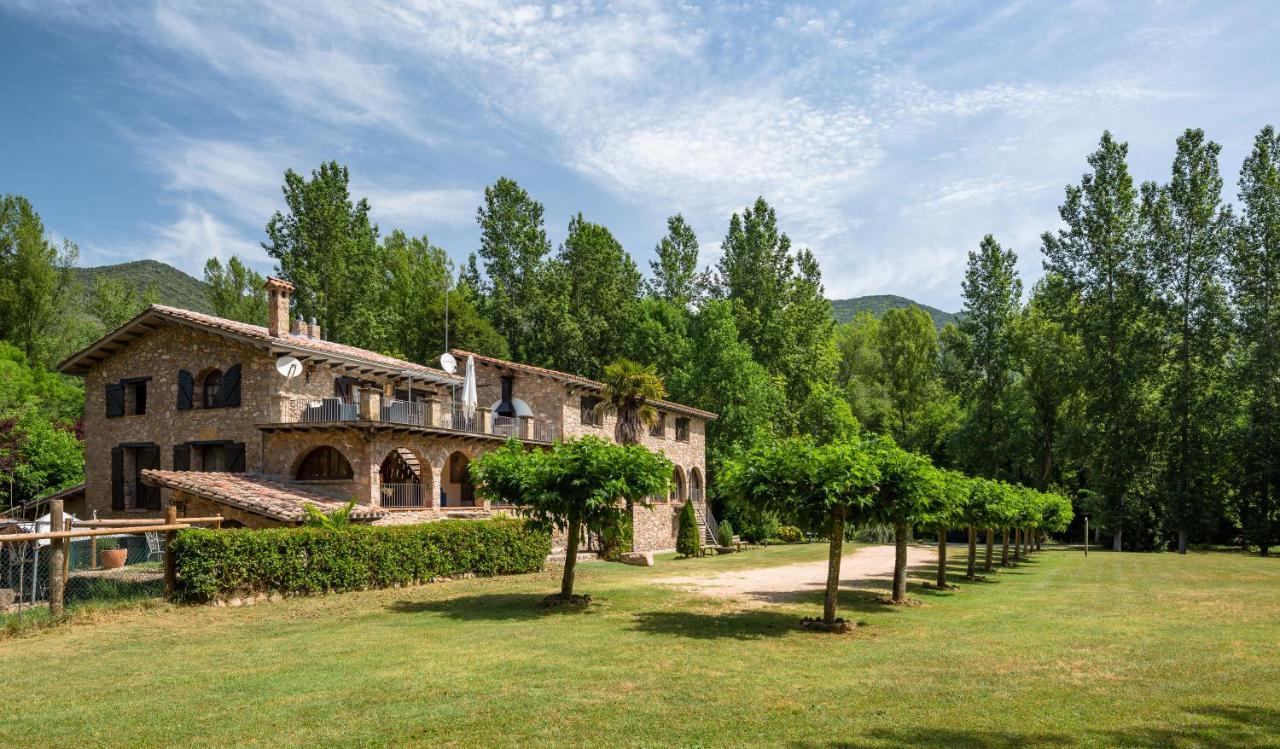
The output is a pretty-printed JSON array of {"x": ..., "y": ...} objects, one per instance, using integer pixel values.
[{"x": 155, "y": 546}]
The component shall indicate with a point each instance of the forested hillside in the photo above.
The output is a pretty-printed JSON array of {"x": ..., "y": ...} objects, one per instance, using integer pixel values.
[
  {"x": 166, "y": 283},
  {"x": 877, "y": 304}
]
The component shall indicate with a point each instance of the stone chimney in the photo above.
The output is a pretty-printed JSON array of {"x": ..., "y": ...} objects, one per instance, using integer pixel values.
[
  {"x": 278, "y": 293},
  {"x": 298, "y": 327},
  {"x": 313, "y": 329}
]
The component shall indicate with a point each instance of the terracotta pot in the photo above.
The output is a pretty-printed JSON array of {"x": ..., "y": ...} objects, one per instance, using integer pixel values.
[{"x": 112, "y": 559}]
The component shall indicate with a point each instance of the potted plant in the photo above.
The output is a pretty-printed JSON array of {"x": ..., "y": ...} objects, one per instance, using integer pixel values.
[{"x": 110, "y": 554}]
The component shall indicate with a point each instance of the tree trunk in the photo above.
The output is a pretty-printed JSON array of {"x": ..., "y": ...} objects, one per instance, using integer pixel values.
[
  {"x": 990, "y": 543},
  {"x": 900, "y": 531},
  {"x": 570, "y": 555},
  {"x": 833, "y": 566},
  {"x": 1017, "y": 544},
  {"x": 942, "y": 558},
  {"x": 1116, "y": 542},
  {"x": 1182, "y": 542},
  {"x": 971, "y": 571},
  {"x": 1004, "y": 551}
]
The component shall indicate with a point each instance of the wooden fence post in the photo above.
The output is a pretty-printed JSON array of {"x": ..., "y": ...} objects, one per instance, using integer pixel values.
[
  {"x": 57, "y": 553},
  {"x": 170, "y": 564}
]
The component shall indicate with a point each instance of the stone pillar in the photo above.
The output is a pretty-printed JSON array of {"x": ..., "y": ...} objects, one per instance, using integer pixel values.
[
  {"x": 281, "y": 410},
  {"x": 370, "y": 401},
  {"x": 484, "y": 420},
  {"x": 430, "y": 412},
  {"x": 526, "y": 427}
]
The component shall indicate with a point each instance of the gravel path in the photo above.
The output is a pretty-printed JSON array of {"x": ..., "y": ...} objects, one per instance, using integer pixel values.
[{"x": 779, "y": 584}]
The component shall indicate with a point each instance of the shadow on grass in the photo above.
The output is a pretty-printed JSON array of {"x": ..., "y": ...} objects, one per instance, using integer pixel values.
[
  {"x": 1237, "y": 726},
  {"x": 486, "y": 607},
  {"x": 754, "y": 624}
]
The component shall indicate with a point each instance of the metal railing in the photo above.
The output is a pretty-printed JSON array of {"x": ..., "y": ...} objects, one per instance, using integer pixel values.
[
  {"x": 506, "y": 426},
  {"x": 404, "y": 412},
  {"x": 403, "y": 495},
  {"x": 335, "y": 408}
]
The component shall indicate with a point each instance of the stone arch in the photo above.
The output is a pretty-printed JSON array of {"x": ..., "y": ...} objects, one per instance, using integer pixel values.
[
  {"x": 696, "y": 487},
  {"x": 230, "y": 524},
  {"x": 323, "y": 463},
  {"x": 456, "y": 487},
  {"x": 405, "y": 479},
  {"x": 678, "y": 493}
]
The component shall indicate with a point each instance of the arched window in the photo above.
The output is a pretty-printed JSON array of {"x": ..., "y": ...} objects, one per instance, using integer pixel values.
[
  {"x": 695, "y": 485},
  {"x": 325, "y": 464},
  {"x": 210, "y": 388},
  {"x": 677, "y": 486}
]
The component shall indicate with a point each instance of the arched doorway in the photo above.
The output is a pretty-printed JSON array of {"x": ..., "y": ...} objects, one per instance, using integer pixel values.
[
  {"x": 401, "y": 479},
  {"x": 677, "y": 486},
  {"x": 695, "y": 485},
  {"x": 456, "y": 488},
  {"x": 324, "y": 463}
]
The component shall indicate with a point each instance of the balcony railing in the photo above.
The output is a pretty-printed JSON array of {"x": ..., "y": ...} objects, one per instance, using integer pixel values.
[
  {"x": 398, "y": 496},
  {"x": 423, "y": 414},
  {"x": 337, "y": 408},
  {"x": 404, "y": 412}
]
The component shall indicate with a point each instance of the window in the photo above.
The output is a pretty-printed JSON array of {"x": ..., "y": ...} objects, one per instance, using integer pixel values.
[
  {"x": 128, "y": 396},
  {"x": 128, "y": 461},
  {"x": 659, "y": 427},
  {"x": 325, "y": 464},
  {"x": 682, "y": 429},
  {"x": 211, "y": 389},
  {"x": 590, "y": 412}
]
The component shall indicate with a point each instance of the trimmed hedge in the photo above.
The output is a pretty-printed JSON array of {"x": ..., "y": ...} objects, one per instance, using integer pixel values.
[
  {"x": 789, "y": 534},
  {"x": 298, "y": 561}
]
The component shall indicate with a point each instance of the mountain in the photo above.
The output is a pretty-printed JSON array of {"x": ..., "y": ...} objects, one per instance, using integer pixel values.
[
  {"x": 845, "y": 309},
  {"x": 172, "y": 286}
]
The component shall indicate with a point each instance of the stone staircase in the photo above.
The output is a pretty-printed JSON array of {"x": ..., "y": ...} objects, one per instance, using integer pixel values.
[{"x": 707, "y": 522}]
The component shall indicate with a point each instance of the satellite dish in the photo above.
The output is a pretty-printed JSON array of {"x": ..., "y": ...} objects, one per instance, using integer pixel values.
[
  {"x": 448, "y": 363},
  {"x": 289, "y": 366}
]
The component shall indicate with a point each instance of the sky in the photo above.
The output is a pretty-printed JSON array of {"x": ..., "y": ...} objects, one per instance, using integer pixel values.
[{"x": 890, "y": 137}]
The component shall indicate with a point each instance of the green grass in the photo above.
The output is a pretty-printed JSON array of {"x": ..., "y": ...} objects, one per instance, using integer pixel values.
[{"x": 1150, "y": 650}]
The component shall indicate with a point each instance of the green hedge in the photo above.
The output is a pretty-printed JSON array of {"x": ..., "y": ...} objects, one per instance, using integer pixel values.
[{"x": 297, "y": 561}]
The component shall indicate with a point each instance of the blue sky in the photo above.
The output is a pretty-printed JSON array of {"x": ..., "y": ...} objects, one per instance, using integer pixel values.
[{"x": 890, "y": 136}]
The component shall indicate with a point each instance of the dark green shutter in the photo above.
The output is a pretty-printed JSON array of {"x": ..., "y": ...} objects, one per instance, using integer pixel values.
[
  {"x": 186, "y": 390},
  {"x": 182, "y": 457},
  {"x": 233, "y": 455},
  {"x": 148, "y": 457},
  {"x": 229, "y": 394},
  {"x": 115, "y": 399},
  {"x": 117, "y": 478}
]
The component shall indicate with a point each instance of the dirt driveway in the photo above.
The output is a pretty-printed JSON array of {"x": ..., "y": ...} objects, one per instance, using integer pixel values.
[{"x": 871, "y": 564}]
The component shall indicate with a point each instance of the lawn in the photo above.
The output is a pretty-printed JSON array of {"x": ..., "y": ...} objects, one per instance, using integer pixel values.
[{"x": 1147, "y": 650}]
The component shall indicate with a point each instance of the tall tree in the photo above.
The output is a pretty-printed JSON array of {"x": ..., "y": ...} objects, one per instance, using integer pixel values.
[
  {"x": 235, "y": 291},
  {"x": 36, "y": 280},
  {"x": 676, "y": 278},
  {"x": 861, "y": 371},
  {"x": 922, "y": 413},
  {"x": 1049, "y": 357},
  {"x": 1100, "y": 257},
  {"x": 115, "y": 300},
  {"x": 513, "y": 248},
  {"x": 327, "y": 247},
  {"x": 1255, "y": 275},
  {"x": 1189, "y": 232},
  {"x": 992, "y": 299}
]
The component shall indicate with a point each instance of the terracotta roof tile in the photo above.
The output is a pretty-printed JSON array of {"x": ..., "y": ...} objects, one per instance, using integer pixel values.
[{"x": 254, "y": 493}]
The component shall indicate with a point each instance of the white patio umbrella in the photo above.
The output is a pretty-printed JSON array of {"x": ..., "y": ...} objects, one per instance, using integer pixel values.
[{"x": 469, "y": 398}]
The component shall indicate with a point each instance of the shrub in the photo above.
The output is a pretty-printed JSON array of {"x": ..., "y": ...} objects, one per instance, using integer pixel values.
[
  {"x": 789, "y": 534},
  {"x": 617, "y": 538},
  {"x": 725, "y": 533},
  {"x": 107, "y": 543},
  {"x": 318, "y": 560},
  {"x": 753, "y": 525},
  {"x": 689, "y": 536}
]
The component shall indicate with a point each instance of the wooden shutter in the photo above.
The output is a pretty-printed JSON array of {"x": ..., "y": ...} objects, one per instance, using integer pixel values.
[
  {"x": 182, "y": 457},
  {"x": 229, "y": 395},
  {"x": 115, "y": 399},
  {"x": 233, "y": 457},
  {"x": 149, "y": 496},
  {"x": 117, "y": 478},
  {"x": 186, "y": 391}
]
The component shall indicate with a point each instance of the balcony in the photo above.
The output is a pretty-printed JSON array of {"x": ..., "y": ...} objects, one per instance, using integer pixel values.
[{"x": 371, "y": 406}]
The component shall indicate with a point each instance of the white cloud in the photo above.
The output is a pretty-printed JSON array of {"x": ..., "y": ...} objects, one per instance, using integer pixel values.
[{"x": 418, "y": 210}]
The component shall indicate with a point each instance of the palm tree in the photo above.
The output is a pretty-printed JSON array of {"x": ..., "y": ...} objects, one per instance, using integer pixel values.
[{"x": 630, "y": 388}]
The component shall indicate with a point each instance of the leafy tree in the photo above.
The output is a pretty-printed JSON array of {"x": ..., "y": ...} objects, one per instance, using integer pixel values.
[
  {"x": 115, "y": 301},
  {"x": 1049, "y": 357},
  {"x": 1255, "y": 276},
  {"x": 659, "y": 335},
  {"x": 908, "y": 496},
  {"x": 327, "y": 247},
  {"x": 819, "y": 486},
  {"x": 36, "y": 280},
  {"x": 676, "y": 278},
  {"x": 236, "y": 291},
  {"x": 922, "y": 414},
  {"x": 992, "y": 300},
  {"x": 861, "y": 372},
  {"x": 38, "y": 456},
  {"x": 1189, "y": 231},
  {"x": 688, "y": 535},
  {"x": 419, "y": 275},
  {"x": 575, "y": 484},
  {"x": 23, "y": 386},
  {"x": 1101, "y": 260},
  {"x": 947, "y": 511},
  {"x": 513, "y": 248}
]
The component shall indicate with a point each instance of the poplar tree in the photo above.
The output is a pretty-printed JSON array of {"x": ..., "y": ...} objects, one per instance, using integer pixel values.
[
  {"x": 1099, "y": 256},
  {"x": 1189, "y": 230},
  {"x": 513, "y": 250},
  {"x": 36, "y": 280},
  {"x": 676, "y": 278},
  {"x": 235, "y": 291},
  {"x": 1255, "y": 276}
]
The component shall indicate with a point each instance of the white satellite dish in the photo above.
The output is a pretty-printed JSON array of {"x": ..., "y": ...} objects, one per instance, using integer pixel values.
[
  {"x": 289, "y": 366},
  {"x": 448, "y": 363}
]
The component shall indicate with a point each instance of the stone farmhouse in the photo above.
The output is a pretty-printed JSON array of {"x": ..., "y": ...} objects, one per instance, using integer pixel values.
[{"x": 188, "y": 409}]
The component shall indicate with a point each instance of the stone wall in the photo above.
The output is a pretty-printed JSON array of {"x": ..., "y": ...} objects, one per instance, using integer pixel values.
[{"x": 655, "y": 527}]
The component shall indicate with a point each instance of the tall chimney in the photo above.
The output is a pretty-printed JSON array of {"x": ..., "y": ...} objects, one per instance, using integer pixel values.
[
  {"x": 313, "y": 329},
  {"x": 278, "y": 293}
]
